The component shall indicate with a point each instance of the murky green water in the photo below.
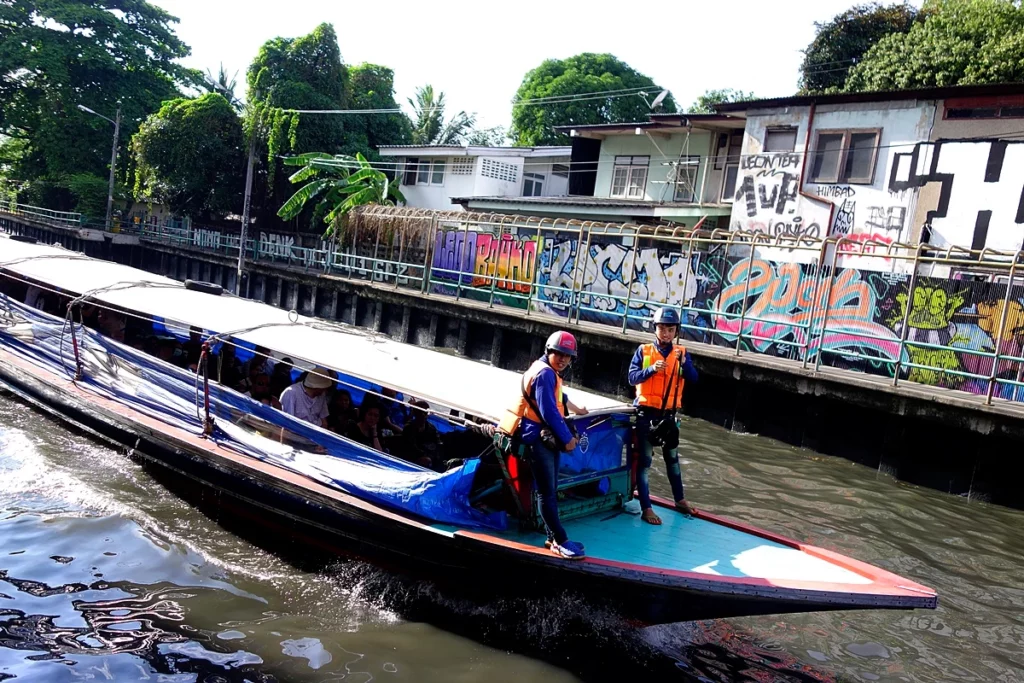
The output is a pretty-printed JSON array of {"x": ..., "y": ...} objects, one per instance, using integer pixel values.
[{"x": 105, "y": 575}]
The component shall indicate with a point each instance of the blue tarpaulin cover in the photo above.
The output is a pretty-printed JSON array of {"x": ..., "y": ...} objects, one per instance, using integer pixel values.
[{"x": 168, "y": 393}]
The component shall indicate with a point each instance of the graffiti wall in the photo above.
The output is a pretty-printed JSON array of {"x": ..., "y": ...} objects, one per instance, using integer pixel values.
[
  {"x": 971, "y": 191},
  {"x": 777, "y": 192}
]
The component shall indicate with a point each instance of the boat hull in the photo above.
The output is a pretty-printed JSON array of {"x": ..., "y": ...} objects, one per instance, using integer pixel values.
[{"x": 310, "y": 520}]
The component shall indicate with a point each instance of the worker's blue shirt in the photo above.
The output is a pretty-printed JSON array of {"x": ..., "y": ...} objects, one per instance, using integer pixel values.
[
  {"x": 543, "y": 394},
  {"x": 638, "y": 374}
]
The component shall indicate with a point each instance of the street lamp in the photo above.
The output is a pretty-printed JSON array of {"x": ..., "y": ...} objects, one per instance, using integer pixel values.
[{"x": 113, "y": 155}]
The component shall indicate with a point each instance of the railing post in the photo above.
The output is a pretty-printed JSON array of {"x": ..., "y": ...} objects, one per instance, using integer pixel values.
[
  {"x": 746, "y": 293},
  {"x": 581, "y": 257},
  {"x": 632, "y": 275},
  {"x": 906, "y": 317},
  {"x": 536, "y": 267},
  {"x": 373, "y": 264},
  {"x": 428, "y": 256},
  {"x": 401, "y": 252},
  {"x": 686, "y": 280},
  {"x": 1000, "y": 330},
  {"x": 461, "y": 252},
  {"x": 814, "y": 302},
  {"x": 497, "y": 263},
  {"x": 828, "y": 304}
]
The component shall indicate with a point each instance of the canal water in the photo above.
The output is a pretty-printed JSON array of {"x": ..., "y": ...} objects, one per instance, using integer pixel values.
[{"x": 105, "y": 575}]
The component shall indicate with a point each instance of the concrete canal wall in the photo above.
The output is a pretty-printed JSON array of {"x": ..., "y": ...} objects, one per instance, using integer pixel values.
[{"x": 921, "y": 429}]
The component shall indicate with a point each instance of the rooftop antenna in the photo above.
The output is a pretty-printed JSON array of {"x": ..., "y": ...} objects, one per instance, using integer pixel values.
[{"x": 656, "y": 104}]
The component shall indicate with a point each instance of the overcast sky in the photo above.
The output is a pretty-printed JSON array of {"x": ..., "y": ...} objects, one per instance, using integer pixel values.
[{"x": 478, "y": 52}]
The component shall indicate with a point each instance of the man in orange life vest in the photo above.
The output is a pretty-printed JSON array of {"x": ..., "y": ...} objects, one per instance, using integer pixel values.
[
  {"x": 539, "y": 417},
  {"x": 659, "y": 371}
]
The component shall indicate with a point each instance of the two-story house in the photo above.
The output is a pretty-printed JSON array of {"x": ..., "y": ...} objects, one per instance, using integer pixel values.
[
  {"x": 678, "y": 168},
  {"x": 432, "y": 175},
  {"x": 940, "y": 165}
]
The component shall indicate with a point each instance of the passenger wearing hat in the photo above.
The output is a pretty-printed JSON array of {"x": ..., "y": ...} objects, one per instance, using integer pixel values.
[
  {"x": 307, "y": 400},
  {"x": 659, "y": 371}
]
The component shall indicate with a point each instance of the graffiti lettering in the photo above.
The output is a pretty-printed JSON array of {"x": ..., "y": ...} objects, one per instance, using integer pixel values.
[
  {"x": 844, "y": 218},
  {"x": 835, "y": 191},
  {"x": 770, "y": 162},
  {"x": 208, "y": 239},
  {"x": 276, "y": 246},
  {"x": 886, "y": 218},
  {"x": 478, "y": 257},
  {"x": 782, "y": 192}
]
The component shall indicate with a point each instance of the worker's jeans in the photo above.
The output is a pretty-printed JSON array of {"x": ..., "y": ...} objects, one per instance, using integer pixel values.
[
  {"x": 646, "y": 459},
  {"x": 544, "y": 462}
]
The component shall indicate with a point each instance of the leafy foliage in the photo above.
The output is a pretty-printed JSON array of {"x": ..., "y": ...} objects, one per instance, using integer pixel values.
[
  {"x": 705, "y": 104},
  {"x": 533, "y": 124},
  {"x": 189, "y": 156},
  {"x": 224, "y": 85},
  {"x": 839, "y": 44},
  {"x": 90, "y": 193},
  {"x": 429, "y": 126},
  {"x": 959, "y": 42},
  {"x": 56, "y": 54},
  {"x": 340, "y": 183},
  {"x": 487, "y": 137},
  {"x": 373, "y": 87}
]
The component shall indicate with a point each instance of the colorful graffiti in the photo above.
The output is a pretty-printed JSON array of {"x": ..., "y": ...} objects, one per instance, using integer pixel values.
[{"x": 479, "y": 257}]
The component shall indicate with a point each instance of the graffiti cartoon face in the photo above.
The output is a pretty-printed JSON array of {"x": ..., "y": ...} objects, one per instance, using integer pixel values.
[{"x": 932, "y": 308}]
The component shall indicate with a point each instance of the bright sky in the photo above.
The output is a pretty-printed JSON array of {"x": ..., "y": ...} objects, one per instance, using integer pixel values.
[{"x": 478, "y": 52}]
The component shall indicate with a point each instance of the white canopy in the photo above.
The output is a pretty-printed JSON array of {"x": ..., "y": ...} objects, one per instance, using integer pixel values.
[{"x": 439, "y": 378}]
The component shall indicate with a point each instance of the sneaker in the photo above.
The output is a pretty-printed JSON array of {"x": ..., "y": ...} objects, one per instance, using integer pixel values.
[
  {"x": 550, "y": 542},
  {"x": 570, "y": 550}
]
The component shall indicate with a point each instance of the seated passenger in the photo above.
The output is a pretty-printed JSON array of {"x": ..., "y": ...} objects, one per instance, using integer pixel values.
[
  {"x": 228, "y": 368},
  {"x": 169, "y": 351},
  {"x": 419, "y": 441},
  {"x": 193, "y": 348},
  {"x": 365, "y": 430},
  {"x": 261, "y": 391},
  {"x": 307, "y": 400},
  {"x": 260, "y": 359},
  {"x": 343, "y": 413},
  {"x": 394, "y": 414},
  {"x": 281, "y": 376},
  {"x": 111, "y": 324}
]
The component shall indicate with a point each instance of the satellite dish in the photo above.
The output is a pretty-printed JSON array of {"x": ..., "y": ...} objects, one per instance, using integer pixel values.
[{"x": 659, "y": 99}]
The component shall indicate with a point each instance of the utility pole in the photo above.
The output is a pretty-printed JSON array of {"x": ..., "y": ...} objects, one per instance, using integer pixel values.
[
  {"x": 113, "y": 155},
  {"x": 113, "y": 166},
  {"x": 239, "y": 289}
]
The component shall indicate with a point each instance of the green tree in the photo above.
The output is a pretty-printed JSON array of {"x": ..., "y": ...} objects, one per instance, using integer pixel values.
[
  {"x": 223, "y": 85},
  {"x": 705, "y": 104},
  {"x": 340, "y": 183},
  {"x": 373, "y": 87},
  {"x": 189, "y": 156},
  {"x": 568, "y": 81},
  {"x": 839, "y": 44},
  {"x": 487, "y": 137},
  {"x": 57, "y": 54},
  {"x": 959, "y": 42},
  {"x": 429, "y": 126}
]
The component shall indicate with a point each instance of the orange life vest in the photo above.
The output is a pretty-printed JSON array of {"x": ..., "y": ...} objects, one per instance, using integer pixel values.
[
  {"x": 523, "y": 408},
  {"x": 651, "y": 392}
]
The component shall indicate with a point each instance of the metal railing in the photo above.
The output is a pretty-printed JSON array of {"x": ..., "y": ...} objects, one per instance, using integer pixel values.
[
  {"x": 62, "y": 218},
  {"x": 950, "y": 318}
]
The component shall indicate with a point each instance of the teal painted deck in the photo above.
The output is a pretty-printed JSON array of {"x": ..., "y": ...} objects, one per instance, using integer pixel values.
[{"x": 688, "y": 544}]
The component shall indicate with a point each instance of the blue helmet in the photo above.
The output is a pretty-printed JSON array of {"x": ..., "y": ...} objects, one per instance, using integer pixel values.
[{"x": 666, "y": 316}]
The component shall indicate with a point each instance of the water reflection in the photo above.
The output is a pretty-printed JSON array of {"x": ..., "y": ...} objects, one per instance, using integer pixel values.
[{"x": 105, "y": 575}]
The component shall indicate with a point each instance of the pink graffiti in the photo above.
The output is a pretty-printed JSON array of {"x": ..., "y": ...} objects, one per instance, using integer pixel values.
[{"x": 859, "y": 243}]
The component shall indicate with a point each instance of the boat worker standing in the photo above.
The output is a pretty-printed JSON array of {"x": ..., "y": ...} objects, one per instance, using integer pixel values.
[
  {"x": 538, "y": 417},
  {"x": 659, "y": 372},
  {"x": 307, "y": 400}
]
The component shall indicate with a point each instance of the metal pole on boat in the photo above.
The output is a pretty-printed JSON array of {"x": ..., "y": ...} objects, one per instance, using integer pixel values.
[
  {"x": 204, "y": 362},
  {"x": 244, "y": 235}
]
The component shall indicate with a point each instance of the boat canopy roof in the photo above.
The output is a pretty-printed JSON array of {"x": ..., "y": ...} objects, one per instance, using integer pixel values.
[{"x": 472, "y": 387}]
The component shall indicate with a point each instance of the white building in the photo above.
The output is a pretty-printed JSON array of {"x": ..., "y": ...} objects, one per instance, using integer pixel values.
[{"x": 434, "y": 174}]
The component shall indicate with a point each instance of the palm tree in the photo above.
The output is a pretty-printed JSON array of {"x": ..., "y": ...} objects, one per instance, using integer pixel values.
[
  {"x": 223, "y": 85},
  {"x": 342, "y": 182},
  {"x": 429, "y": 127}
]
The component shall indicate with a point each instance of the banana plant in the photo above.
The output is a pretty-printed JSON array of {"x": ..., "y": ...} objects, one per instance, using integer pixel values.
[{"x": 339, "y": 183}]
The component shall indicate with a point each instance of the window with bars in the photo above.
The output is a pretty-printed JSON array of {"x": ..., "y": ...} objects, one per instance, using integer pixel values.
[
  {"x": 499, "y": 170},
  {"x": 780, "y": 140},
  {"x": 686, "y": 169},
  {"x": 629, "y": 178},
  {"x": 463, "y": 165},
  {"x": 845, "y": 156}
]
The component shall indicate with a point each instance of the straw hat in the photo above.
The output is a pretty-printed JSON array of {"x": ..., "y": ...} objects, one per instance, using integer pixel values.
[{"x": 318, "y": 378}]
